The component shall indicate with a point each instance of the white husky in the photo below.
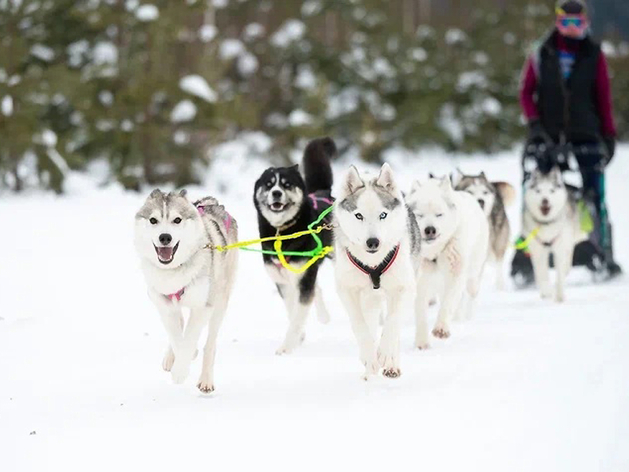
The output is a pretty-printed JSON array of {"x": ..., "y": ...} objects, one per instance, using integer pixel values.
[
  {"x": 376, "y": 241},
  {"x": 552, "y": 222},
  {"x": 454, "y": 247},
  {"x": 170, "y": 235}
]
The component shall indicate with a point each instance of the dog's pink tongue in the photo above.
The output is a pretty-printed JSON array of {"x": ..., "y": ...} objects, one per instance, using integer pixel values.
[{"x": 165, "y": 253}]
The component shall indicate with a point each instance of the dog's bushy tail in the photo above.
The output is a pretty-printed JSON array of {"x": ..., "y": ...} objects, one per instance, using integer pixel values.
[{"x": 316, "y": 164}]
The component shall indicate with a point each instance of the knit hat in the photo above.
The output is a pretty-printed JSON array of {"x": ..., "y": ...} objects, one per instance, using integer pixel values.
[{"x": 571, "y": 7}]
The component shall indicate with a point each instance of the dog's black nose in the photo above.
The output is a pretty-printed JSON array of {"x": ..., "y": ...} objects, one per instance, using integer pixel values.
[
  {"x": 165, "y": 239},
  {"x": 482, "y": 203},
  {"x": 373, "y": 244},
  {"x": 430, "y": 231},
  {"x": 545, "y": 202},
  {"x": 276, "y": 194}
]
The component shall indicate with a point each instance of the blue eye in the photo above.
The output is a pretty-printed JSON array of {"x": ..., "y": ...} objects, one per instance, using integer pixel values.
[
  {"x": 359, "y": 216},
  {"x": 383, "y": 215},
  {"x": 153, "y": 221}
]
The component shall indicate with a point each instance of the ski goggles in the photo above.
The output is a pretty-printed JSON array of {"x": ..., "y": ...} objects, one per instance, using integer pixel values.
[{"x": 574, "y": 23}]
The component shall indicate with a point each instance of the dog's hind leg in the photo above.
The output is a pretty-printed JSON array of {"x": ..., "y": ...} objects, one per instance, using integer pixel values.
[
  {"x": 322, "y": 311},
  {"x": 185, "y": 352}
]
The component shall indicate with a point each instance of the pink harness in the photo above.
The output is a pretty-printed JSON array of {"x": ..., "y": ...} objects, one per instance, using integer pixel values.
[
  {"x": 176, "y": 296},
  {"x": 316, "y": 199}
]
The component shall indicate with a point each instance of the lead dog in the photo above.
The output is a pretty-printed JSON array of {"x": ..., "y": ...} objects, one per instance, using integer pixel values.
[
  {"x": 377, "y": 245},
  {"x": 170, "y": 235},
  {"x": 455, "y": 239}
]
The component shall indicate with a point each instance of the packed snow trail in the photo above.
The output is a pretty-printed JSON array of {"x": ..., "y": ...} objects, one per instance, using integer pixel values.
[{"x": 528, "y": 385}]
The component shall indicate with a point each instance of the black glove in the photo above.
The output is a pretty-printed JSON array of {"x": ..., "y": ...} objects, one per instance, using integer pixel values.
[
  {"x": 537, "y": 131},
  {"x": 610, "y": 144}
]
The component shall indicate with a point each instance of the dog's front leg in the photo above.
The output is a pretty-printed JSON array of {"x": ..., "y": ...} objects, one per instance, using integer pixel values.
[
  {"x": 422, "y": 302},
  {"x": 172, "y": 320},
  {"x": 206, "y": 381},
  {"x": 450, "y": 301},
  {"x": 541, "y": 269},
  {"x": 185, "y": 352},
  {"x": 398, "y": 302},
  {"x": 350, "y": 297},
  {"x": 563, "y": 263}
]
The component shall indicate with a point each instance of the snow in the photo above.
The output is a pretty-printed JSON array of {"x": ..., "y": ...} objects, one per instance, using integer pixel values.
[
  {"x": 184, "y": 111},
  {"x": 455, "y": 35},
  {"x": 7, "y": 105},
  {"x": 247, "y": 63},
  {"x": 471, "y": 79},
  {"x": 291, "y": 31},
  {"x": 207, "y": 33},
  {"x": 306, "y": 79},
  {"x": 491, "y": 106},
  {"x": 105, "y": 52},
  {"x": 147, "y": 13},
  {"x": 231, "y": 48},
  {"x": 526, "y": 386},
  {"x": 253, "y": 31},
  {"x": 299, "y": 117},
  {"x": 42, "y": 52},
  {"x": 198, "y": 86},
  {"x": 419, "y": 54}
]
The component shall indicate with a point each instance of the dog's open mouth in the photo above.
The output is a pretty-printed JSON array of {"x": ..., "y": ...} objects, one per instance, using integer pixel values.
[
  {"x": 430, "y": 239},
  {"x": 545, "y": 209},
  {"x": 166, "y": 254},
  {"x": 278, "y": 206}
]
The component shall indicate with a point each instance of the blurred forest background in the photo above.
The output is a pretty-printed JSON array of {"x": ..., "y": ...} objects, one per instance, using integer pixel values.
[{"x": 149, "y": 87}]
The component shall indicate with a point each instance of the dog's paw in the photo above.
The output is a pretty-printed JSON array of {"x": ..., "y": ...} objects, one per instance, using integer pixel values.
[
  {"x": 180, "y": 371},
  {"x": 392, "y": 373},
  {"x": 422, "y": 346},
  {"x": 560, "y": 297},
  {"x": 441, "y": 332},
  {"x": 205, "y": 387},
  {"x": 291, "y": 342},
  {"x": 372, "y": 366},
  {"x": 546, "y": 294},
  {"x": 169, "y": 360}
]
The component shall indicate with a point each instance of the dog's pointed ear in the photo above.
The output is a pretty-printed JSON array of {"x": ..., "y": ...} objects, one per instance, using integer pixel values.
[
  {"x": 456, "y": 177},
  {"x": 415, "y": 186},
  {"x": 352, "y": 181},
  {"x": 446, "y": 185},
  {"x": 183, "y": 193},
  {"x": 431, "y": 175},
  {"x": 155, "y": 193},
  {"x": 483, "y": 176},
  {"x": 386, "y": 179}
]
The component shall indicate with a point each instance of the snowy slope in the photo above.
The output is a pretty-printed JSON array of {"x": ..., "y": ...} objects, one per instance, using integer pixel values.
[{"x": 526, "y": 386}]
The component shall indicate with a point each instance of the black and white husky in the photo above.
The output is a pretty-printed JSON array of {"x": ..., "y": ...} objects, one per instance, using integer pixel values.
[
  {"x": 377, "y": 244},
  {"x": 287, "y": 203},
  {"x": 551, "y": 221},
  {"x": 171, "y": 235},
  {"x": 492, "y": 198}
]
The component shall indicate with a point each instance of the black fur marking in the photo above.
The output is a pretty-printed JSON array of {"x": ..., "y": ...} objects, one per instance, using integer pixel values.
[
  {"x": 316, "y": 163},
  {"x": 307, "y": 285}
]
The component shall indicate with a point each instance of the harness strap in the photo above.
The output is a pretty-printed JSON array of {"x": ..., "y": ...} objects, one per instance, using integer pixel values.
[
  {"x": 176, "y": 296},
  {"x": 375, "y": 273},
  {"x": 316, "y": 199}
]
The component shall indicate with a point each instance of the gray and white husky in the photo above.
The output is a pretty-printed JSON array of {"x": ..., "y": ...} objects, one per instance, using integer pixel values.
[
  {"x": 455, "y": 240},
  {"x": 377, "y": 245},
  {"x": 551, "y": 221},
  {"x": 171, "y": 235},
  {"x": 492, "y": 198}
]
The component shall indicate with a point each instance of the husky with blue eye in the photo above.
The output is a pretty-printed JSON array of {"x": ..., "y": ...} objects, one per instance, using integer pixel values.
[
  {"x": 377, "y": 245},
  {"x": 455, "y": 242},
  {"x": 172, "y": 236},
  {"x": 287, "y": 203}
]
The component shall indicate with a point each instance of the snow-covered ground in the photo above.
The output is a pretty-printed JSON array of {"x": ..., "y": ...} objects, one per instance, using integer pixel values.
[{"x": 527, "y": 385}]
